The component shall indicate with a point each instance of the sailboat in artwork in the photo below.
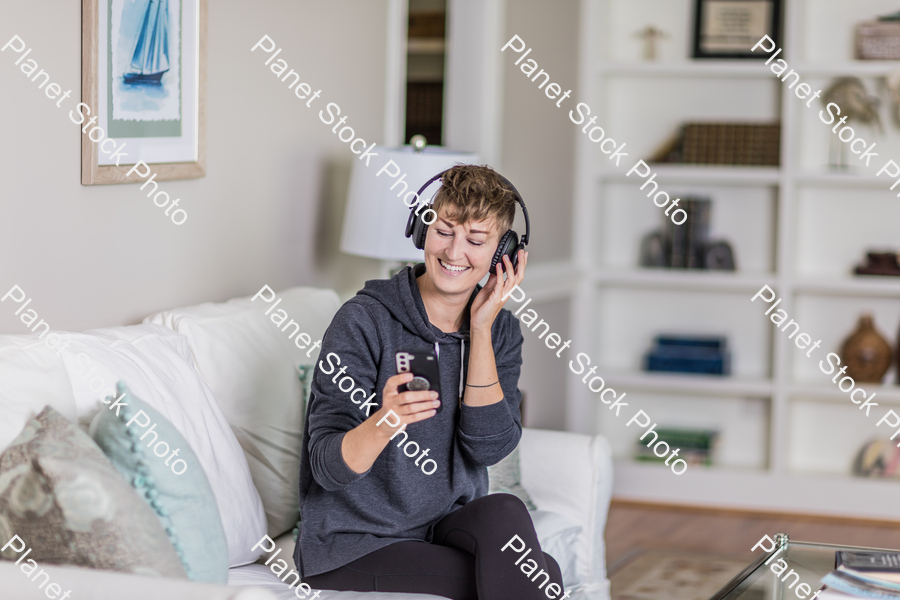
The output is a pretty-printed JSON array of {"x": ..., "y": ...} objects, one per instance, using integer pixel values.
[{"x": 151, "y": 51}]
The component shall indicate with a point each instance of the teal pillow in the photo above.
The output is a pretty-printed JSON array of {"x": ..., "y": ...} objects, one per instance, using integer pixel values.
[
  {"x": 184, "y": 504},
  {"x": 506, "y": 477},
  {"x": 304, "y": 372}
]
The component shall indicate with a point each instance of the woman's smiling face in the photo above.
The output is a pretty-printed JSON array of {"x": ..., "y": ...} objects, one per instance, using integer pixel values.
[{"x": 458, "y": 256}]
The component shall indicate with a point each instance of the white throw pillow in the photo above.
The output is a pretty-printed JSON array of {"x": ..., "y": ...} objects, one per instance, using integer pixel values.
[
  {"x": 31, "y": 377},
  {"x": 250, "y": 360},
  {"x": 155, "y": 363},
  {"x": 558, "y": 537}
]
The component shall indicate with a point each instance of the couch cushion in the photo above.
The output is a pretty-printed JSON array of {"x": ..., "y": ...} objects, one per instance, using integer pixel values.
[
  {"x": 251, "y": 365},
  {"x": 174, "y": 486},
  {"x": 559, "y": 538},
  {"x": 33, "y": 377},
  {"x": 262, "y": 577},
  {"x": 156, "y": 363},
  {"x": 571, "y": 474},
  {"x": 556, "y": 534},
  {"x": 66, "y": 502}
]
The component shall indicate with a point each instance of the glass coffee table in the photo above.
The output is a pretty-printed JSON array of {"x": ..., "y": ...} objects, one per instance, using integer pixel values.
[{"x": 759, "y": 582}]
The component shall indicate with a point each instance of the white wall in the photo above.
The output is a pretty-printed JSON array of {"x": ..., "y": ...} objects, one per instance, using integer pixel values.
[
  {"x": 545, "y": 377},
  {"x": 268, "y": 211},
  {"x": 537, "y": 154},
  {"x": 538, "y": 147}
]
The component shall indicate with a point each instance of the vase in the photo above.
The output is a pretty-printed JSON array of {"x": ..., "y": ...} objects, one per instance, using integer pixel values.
[{"x": 866, "y": 353}]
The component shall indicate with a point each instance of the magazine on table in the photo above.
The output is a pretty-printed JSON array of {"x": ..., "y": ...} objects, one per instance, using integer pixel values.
[{"x": 864, "y": 575}]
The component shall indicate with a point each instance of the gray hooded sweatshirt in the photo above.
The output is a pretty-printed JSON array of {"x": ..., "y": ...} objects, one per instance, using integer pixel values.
[{"x": 346, "y": 515}]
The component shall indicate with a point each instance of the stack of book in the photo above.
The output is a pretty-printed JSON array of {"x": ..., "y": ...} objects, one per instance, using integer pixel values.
[
  {"x": 698, "y": 446},
  {"x": 863, "y": 574},
  {"x": 690, "y": 354},
  {"x": 687, "y": 246}
]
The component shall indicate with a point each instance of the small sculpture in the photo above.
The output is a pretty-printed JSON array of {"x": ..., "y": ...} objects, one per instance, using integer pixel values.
[
  {"x": 898, "y": 359},
  {"x": 878, "y": 458},
  {"x": 650, "y": 36},
  {"x": 850, "y": 94},
  {"x": 866, "y": 353},
  {"x": 880, "y": 263},
  {"x": 893, "y": 84}
]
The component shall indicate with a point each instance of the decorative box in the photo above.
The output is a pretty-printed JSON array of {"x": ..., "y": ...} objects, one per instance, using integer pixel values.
[{"x": 878, "y": 40}]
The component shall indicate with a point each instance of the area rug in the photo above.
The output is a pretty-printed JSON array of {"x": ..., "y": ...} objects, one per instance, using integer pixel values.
[{"x": 673, "y": 575}]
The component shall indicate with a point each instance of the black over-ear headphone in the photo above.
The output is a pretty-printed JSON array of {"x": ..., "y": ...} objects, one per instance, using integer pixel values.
[{"x": 509, "y": 245}]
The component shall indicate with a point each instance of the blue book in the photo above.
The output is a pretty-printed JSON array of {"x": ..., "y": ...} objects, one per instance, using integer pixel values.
[
  {"x": 712, "y": 341},
  {"x": 695, "y": 354}
]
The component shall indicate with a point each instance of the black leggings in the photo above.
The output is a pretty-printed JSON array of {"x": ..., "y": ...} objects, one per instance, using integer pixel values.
[{"x": 464, "y": 561}]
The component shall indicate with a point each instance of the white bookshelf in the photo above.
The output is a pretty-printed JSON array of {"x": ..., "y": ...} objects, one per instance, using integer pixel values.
[{"x": 788, "y": 436}]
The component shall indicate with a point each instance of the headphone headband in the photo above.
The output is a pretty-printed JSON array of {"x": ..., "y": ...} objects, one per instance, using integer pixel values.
[{"x": 525, "y": 238}]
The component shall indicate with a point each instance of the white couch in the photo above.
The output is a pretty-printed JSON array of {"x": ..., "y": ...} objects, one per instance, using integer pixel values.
[{"x": 567, "y": 474}]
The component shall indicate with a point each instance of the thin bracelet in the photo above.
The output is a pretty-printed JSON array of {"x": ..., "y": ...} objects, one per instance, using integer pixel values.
[{"x": 483, "y": 386}]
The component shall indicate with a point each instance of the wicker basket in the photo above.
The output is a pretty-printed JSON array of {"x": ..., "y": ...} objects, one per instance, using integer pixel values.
[{"x": 746, "y": 144}]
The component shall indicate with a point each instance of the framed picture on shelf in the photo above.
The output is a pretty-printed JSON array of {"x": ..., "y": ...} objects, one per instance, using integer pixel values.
[
  {"x": 729, "y": 28},
  {"x": 143, "y": 82}
]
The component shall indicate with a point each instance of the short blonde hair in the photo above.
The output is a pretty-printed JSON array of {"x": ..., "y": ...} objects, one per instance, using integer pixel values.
[{"x": 476, "y": 193}]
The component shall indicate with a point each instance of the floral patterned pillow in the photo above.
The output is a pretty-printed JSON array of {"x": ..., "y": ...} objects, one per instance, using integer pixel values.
[{"x": 61, "y": 495}]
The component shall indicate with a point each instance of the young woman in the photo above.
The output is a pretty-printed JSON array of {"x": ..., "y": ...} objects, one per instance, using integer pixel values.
[{"x": 396, "y": 500}]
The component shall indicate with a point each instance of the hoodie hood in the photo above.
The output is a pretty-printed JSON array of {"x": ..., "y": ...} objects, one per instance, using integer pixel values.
[{"x": 400, "y": 296}]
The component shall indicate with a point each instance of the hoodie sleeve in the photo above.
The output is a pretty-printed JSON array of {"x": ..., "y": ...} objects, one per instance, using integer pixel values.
[
  {"x": 488, "y": 433},
  {"x": 350, "y": 348}
]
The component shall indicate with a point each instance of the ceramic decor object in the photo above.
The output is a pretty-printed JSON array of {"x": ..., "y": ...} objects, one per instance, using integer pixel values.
[
  {"x": 866, "y": 353},
  {"x": 898, "y": 358}
]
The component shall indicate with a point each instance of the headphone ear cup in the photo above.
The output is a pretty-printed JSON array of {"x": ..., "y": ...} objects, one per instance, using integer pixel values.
[
  {"x": 514, "y": 255},
  {"x": 410, "y": 225},
  {"x": 420, "y": 228},
  {"x": 416, "y": 228},
  {"x": 507, "y": 246}
]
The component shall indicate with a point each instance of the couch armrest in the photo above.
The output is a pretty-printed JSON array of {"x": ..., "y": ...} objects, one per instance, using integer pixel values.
[
  {"x": 571, "y": 474},
  {"x": 91, "y": 584}
]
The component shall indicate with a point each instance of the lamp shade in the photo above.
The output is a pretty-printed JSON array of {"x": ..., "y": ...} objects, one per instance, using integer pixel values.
[{"x": 375, "y": 217}]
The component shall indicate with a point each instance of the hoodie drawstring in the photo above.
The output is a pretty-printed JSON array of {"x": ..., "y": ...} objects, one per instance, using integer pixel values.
[{"x": 462, "y": 357}]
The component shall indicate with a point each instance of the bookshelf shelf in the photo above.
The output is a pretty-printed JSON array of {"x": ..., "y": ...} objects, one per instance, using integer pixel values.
[
  {"x": 851, "y": 180},
  {"x": 713, "y": 174},
  {"x": 678, "y": 383},
  {"x": 687, "y": 280},
  {"x": 712, "y": 68},
  {"x": 863, "y": 285},
  {"x": 426, "y": 46},
  {"x": 858, "y": 68},
  {"x": 741, "y": 68},
  {"x": 799, "y": 491},
  {"x": 798, "y": 228},
  {"x": 828, "y": 392}
]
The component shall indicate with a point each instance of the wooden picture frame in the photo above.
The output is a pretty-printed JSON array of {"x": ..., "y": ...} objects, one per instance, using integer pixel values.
[
  {"x": 726, "y": 29},
  {"x": 160, "y": 118}
]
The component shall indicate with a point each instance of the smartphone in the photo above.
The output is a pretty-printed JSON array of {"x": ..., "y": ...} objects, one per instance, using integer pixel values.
[{"x": 423, "y": 365}]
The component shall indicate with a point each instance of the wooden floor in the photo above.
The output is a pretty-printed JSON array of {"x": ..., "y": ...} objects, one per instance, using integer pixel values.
[{"x": 635, "y": 526}]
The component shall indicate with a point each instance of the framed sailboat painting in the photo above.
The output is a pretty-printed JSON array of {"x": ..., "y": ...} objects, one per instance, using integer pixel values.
[{"x": 144, "y": 80}]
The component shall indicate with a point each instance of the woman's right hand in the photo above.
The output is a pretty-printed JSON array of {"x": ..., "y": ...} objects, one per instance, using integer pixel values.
[
  {"x": 409, "y": 407},
  {"x": 363, "y": 444}
]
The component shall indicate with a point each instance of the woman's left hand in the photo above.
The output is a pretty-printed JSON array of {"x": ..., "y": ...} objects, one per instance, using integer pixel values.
[{"x": 495, "y": 293}]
